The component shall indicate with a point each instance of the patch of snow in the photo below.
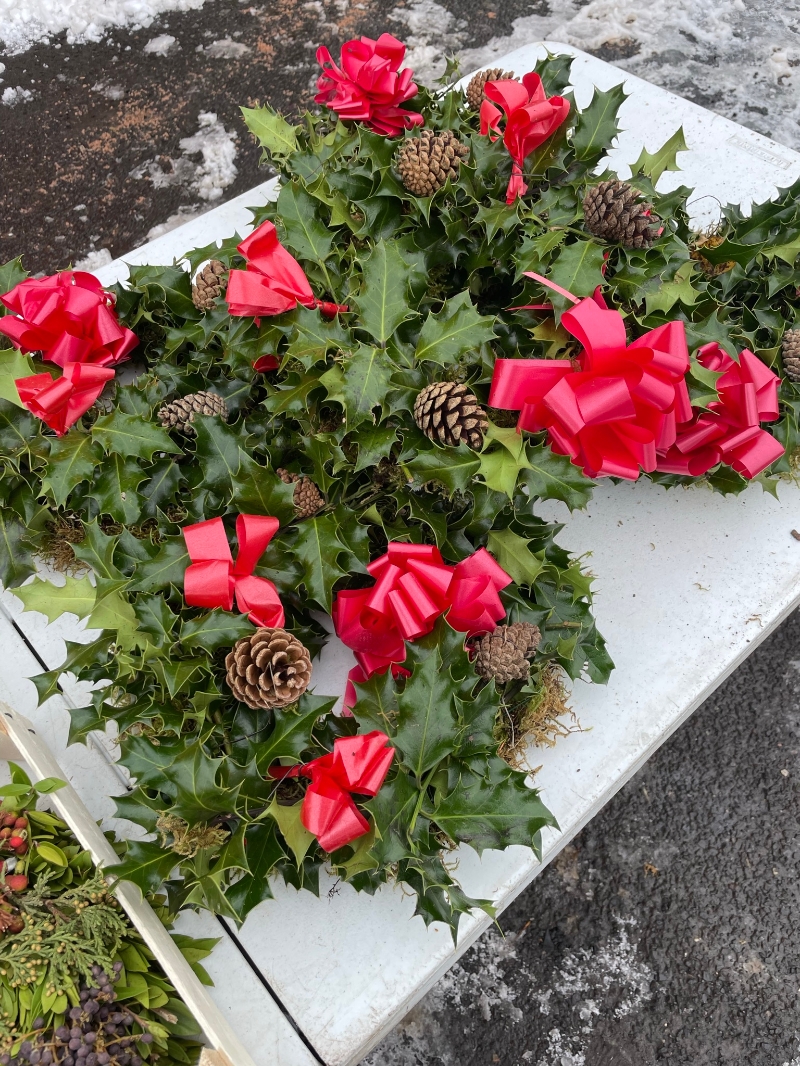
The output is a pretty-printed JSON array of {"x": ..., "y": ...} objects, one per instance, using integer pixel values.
[
  {"x": 94, "y": 260},
  {"x": 12, "y": 97},
  {"x": 161, "y": 45},
  {"x": 207, "y": 178},
  {"x": 183, "y": 214},
  {"x": 430, "y": 32},
  {"x": 111, "y": 92},
  {"x": 227, "y": 48}
]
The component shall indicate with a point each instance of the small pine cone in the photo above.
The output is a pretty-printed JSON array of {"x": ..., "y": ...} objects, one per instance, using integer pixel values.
[
  {"x": 270, "y": 668},
  {"x": 790, "y": 349},
  {"x": 180, "y": 413},
  {"x": 307, "y": 497},
  {"x": 208, "y": 284},
  {"x": 504, "y": 654},
  {"x": 449, "y": 413},
  {"x": 424, "y": 163},
  {"x": 475, "y": 95},
  {"x": 614, "y": 211}
]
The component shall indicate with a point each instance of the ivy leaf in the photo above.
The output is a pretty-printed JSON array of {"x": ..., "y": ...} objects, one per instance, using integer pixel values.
[
  {"x": 305, "y": 234},
  {"x": 76, "y": 596},
  {"x": 382, "y": 303},
  {"x": 317, "y": 546},
  {"x": 653, "y": 164},
  {"x": 578, "y": 269},
  {"x": 458, "y": 328},
  {"x": 426, "y": 730},
  {"x": 493, "y": 816},
  {"x": 361, "y": 384},
  {"x": 271, "y": 130},
  {"x": 514, "y": 555},
  {"x": 217, "y": 629},
  {"x": 130, "y": 435},
  {"x": 146, "y": 864},
  {"x": 166, "y": 568},
  {"x": 116, "y": 488},
  {"x": 264, "y": 852},
  {"x": 13, "y": 365},
  {"x": 554, "y": 477},
  {"x": 73, "y": 459},
  {"x": 596, "y": 126},
  {"x": 218, "y": 455},
  {"x": 454, "y": 467}
]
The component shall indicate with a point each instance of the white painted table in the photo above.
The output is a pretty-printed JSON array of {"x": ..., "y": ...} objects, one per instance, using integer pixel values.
[{"x": 688, "y": 583}]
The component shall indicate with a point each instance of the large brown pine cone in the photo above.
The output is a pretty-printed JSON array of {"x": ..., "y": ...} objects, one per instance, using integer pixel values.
[
  {"x": 270, "y": 668},
  {"x": 424, "y": 163},
  {"x": 448, "y": 413},
  {"x": 307, "y": 497},
  {"x": 504, "y": 654},
  {"x": 475, "y": 94},
  {"x": 208, "y": 284},
  {"x": 180, "y": 413},
  {"x": 614, "y": 211},
  {"x": 790, "y": 350}
]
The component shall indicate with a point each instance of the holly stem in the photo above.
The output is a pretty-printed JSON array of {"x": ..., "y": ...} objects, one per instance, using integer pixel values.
[{"x": 423, "y": 789}]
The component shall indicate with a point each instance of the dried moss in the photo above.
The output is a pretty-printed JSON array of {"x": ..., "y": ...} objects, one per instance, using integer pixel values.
[{"x": 539, "y": 721}]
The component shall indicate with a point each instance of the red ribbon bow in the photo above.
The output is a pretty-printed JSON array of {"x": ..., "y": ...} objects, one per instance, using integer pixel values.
[
  {"x": 69, "y": 318},
  {"x": 729, "y": 430},
  {"x": 213, "y": 579},
  {"x": 61, "y": 402},
  {"x": 272, "y": 283},
  {"x": 618, "y": 410},
  {"x": 530, "y": 119},
  {"x": 369, "y": 85},
  {"x": 413, "y": 587},
  {"x": 356, "y": 765}
]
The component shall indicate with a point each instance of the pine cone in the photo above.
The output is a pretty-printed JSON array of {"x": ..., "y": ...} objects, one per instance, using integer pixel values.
[
  {"x": 449, "y": 413},
  {"x": 790, "y": 350},
  {"x": 270, "y": 668},
  {"x": 307, "y": 497},
  {"x": 614, "y": 211},
  {"x": 504, "y": 654},
  {"x": 208, "y": 284},
  {"x": 180, "y": 413},
  {"x": 426, "y": 162},
  {"x": 475, "y": 94}
]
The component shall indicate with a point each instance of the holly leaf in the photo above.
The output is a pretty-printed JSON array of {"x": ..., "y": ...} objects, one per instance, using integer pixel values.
[
  {"x": 317, "y": 547},
  {"x": 217, "y": 629},
  {"x": 198, "y": 796},
  {"x": 500, "y": 467},
  {"x": 17, "y": 430},
  {"x": 114, "y": 611},
  {"x": 11, "y": 274},
  {"x": 361, "y": 384},
  {"x": 156, "y": 620},
  {"x": 97, "y": 551},
  {"x": 596, "y": 126},
  {"x": 653, "y": 164},
  {"x": 131, "y": 435},
  {"x": 13, "y": 365},
  {"x": 163, "y": 482},
  {"x": 76, "y": 596},
  {"x": 264, "y": 851},
  {"x": 554, "y": 477},
  {"x": 458, "y": 328},
  {"x": 164, "y": 569},
  {"x": 670, "y": 292},
  {"x": 116, "y": 488},
  {"x": 493, "y": 816},
  {"x": 292, "y": 829},
  {"x": 708, "y": 330},
  {"x": 383, "y": 301},
  {"x": 218, "y": 455},
  {"x": 271, "y": 130},
  {"x": 514, "y": 555},
  {"x": 453, "y": 467},
  {"x": 305, "y": 233},
  {"x": 374, "y": 443},
  {"x": 578, "y": 269},
  {"x": 15, "y": 562},
  {"x": 73, "y": 459},
  {"x": 146, "y": 864},
  {"x": 392, "y": 810},
  {"x": 259, "y": 490},
  {"x": 314, "y": 336},
  {"x": 425, "y": 727}
]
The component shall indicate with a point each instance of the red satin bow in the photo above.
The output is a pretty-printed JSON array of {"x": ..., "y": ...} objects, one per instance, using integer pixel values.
[
  {"x": 530, "y": 119},
  {"x": 356, "y": 765},
  {"x": 619, "y": 409},
  {"x": 213, "y": 579},
  {"x": 273, "y": 281},
  {"x": 413, "y": 587},
  {"x": 369, "y": 85},
  {"x": 729, "y": 431},
  {"x": 69, "y": 318},
  {"x": 61, "y": 402}
]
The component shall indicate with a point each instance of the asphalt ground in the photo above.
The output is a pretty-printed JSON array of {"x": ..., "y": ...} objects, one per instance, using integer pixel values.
[{"x": 667, "y": 932}]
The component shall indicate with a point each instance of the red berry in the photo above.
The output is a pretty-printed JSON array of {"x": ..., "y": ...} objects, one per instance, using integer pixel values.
[
  {"x": 21, "y": 849},
  {"x": 15, "y": 841},
  {"x": 21, "y": 823},
  {"x": 9, "y": 819},
  {"x": 5, "y": 833},
  {"x": 17, "y": 882}
]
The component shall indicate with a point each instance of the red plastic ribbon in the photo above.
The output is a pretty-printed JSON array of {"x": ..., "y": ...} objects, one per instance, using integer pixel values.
[
  {"x": 69, "y": 318},
  {"x": 214, "y": 580},
  {"x": 616, "y": 410},
  {"x": 413, "y": 587},
  {"x": 729, "y": 431},
  {"x": 357, "y": 765},
  {"x": 61, "y": 402},
  {"x": 530, "y": 119},
  {"x": 273, "y": 281},
  {"x": 369, "y": 86}
]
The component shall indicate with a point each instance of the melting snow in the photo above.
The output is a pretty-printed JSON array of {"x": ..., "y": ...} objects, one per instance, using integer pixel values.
[{"x": 207, "y": 178}]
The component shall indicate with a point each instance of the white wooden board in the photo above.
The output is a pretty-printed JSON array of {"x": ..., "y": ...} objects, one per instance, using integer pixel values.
[{"x": 688, "y": 583}]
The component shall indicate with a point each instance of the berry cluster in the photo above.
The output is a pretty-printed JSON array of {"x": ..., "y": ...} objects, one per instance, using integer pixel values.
[{"x": 93, "y": 1034}]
